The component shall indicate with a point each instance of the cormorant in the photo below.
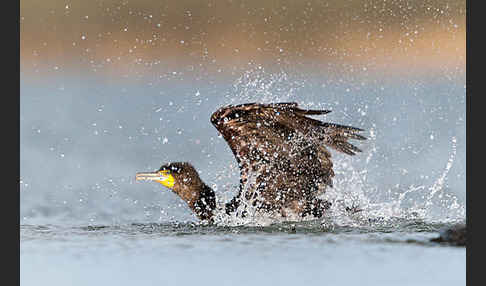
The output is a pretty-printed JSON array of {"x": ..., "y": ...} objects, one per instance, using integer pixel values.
[{"x": 284, "y": 164}]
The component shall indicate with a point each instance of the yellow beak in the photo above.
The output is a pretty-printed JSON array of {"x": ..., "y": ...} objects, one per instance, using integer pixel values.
[{"x": 161, "y": 177}]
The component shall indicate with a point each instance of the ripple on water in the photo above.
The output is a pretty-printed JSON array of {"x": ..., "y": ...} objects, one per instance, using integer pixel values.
[{"x": 396, "y": 230}]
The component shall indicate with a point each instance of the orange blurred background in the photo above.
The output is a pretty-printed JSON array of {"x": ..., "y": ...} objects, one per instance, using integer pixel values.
[{"x": 125, "y": 38}]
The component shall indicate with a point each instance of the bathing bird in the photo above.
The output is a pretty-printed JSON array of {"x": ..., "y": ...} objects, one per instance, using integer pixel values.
[{"x": 282, "y": 157}]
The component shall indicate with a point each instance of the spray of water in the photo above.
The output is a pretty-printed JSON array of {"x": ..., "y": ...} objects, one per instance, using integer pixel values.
[{"x": 352, "y": 189}]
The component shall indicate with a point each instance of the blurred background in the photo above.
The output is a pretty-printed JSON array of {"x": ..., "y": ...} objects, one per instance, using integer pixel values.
[
  {"x": 150, "y": 39},
  {"x": 111, "y": 88}
]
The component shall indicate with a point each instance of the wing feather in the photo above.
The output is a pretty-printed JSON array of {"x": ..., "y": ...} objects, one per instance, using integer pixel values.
[{"x": 283, "y": 148}]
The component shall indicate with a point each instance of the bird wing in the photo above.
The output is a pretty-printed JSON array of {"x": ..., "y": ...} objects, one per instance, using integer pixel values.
[{"x": 279, "y": 149}]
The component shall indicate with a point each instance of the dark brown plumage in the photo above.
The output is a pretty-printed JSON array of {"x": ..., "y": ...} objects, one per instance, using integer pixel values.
[
  {"x": 190, "y": 188},
  {"x": 284, "y": 164}
]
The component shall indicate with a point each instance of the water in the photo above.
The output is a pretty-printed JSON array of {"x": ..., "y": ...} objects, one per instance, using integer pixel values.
[
  {"x": 183, "y": 254},
  {"x": 85, "y": 221}
]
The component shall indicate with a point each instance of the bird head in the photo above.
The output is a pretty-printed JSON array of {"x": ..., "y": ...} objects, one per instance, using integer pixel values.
[{"x": 180, "y": 177}]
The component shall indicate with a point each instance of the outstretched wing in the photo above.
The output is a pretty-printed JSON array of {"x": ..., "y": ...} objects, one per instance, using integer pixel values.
[{"x": 280, "y": 149}]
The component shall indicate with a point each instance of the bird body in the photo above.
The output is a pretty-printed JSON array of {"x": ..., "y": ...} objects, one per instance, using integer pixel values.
[{"x": 282, "y": 156}]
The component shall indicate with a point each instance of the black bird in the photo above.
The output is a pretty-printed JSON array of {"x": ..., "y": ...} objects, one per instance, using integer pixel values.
[{"x": 282, "y": 156}]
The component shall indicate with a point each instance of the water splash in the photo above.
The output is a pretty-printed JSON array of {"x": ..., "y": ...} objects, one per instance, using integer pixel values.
[
  {"x": 352, "y": 187},
  {"x": 439, "y": 183},
  {"x": 257, "y": 85}
]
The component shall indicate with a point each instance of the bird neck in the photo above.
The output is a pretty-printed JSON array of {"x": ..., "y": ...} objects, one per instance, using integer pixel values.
[{"x": 205, "y": 204}]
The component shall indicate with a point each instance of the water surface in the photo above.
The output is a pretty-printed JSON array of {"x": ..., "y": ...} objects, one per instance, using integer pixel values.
[
  {"x": 393, "y": 253},
  {"x": 85, "y": 221}
]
